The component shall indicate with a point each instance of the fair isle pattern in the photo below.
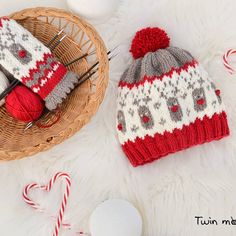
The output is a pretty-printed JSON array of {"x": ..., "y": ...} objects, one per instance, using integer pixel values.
[
  {"x": 166, "y": 101},
  {"x": 163, "y": 104},
  {"x": 13, "y": 35},
  {"x": 39, "y": 78},
  {"x": 32, "y": 63}
]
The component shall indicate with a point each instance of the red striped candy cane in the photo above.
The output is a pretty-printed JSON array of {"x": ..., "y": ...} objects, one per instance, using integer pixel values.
[
  {"x": 47, "y": 188},
  {"x": 225, "y": 60}
]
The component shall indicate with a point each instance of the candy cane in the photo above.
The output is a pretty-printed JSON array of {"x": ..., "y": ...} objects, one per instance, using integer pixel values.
[
  {"x": 48, "y": 188},
  {"x": 225, "y": 60}
]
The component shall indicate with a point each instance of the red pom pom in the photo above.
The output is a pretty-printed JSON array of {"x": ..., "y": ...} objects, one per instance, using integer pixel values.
[
  {"x": 24, "y": 105},
  {"x": 149, "y": 40}
]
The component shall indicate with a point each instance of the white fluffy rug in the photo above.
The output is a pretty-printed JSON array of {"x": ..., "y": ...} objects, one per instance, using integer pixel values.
[{"x": 169, "y": 193}]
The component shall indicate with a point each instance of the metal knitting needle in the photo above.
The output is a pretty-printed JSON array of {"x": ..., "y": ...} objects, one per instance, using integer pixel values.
[
  {"x": 12, "y": 85},
  {"x": 54, "y": 38},
  {"x": 30, "y": 124},
  {"x": 57, "y": 43}
]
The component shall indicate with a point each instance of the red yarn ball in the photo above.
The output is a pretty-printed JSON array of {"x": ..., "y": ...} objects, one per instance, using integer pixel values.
[
  {"x": 148, "y": 40},
  {"x": 23, "y": 104}
]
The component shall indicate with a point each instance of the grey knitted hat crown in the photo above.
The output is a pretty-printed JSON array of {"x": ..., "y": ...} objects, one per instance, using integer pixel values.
[
  {"x": 166, "y": 101},
  {"x": 156, "y": 63}
]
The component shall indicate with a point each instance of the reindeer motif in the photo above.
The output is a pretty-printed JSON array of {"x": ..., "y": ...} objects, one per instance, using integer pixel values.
[
  {"x": 121, "y": 121},
  {"x": 172, "y": 103},
  {"x": 123, "y": 99},
  {"x": 174, "y": 108},
  {"x": 16, "y": 49},
  {"x": 146, "y": 117},
  {"x": 199, "y": 99},
  {"x": 142, "y": 104}
]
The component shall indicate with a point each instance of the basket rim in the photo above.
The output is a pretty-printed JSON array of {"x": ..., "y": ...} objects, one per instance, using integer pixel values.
[{"x": 94, "y": 100}]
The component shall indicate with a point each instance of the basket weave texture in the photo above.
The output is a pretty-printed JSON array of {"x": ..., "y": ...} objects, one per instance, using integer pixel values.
[{"x": 81, "y": 104}]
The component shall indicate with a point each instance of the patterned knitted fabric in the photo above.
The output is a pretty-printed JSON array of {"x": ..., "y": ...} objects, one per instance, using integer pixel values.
[
  {"x": 166, "y": 102},
  {"x": 29, "y": 61}
]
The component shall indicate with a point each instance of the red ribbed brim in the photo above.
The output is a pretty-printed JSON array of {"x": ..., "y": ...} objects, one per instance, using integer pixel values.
[{"x": 149, "y": 148}]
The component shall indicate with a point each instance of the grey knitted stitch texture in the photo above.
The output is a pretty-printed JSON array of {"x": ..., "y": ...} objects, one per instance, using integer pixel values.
[
  {"x": 156, "y": 64},
  {"x": 61, "y": 90}
]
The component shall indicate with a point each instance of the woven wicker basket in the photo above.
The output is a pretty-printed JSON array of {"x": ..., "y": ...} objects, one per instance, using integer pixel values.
[{"x": 80, "y": 105}]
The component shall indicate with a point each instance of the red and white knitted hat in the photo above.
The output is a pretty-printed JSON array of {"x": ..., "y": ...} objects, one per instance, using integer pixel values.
[{"x": 166, "y": 101}]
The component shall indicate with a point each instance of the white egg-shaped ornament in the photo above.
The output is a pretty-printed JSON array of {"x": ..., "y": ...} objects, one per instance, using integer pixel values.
[
  {"x": 115, "y": 217},
  {"x": 95, "y": 11},
  {"x": 4, "y": 83}
]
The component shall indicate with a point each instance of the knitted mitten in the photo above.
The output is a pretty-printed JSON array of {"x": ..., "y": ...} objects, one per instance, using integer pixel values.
[{"x": 32, "y": 63}]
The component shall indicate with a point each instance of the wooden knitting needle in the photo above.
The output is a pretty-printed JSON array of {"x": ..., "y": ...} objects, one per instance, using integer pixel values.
[
  {"x": 79, "y": 58},
  {"x": 93, "y": 66},
  {"x": 82, "y": 80},
  {"x": 83, "y": 77},
  {"x": 87, "y": 54}
]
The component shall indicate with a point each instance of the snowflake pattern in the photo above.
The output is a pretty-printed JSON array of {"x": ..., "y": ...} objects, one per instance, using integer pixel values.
[
  {"x": 38, "y": 48},
  {"x": 157, "y": 105},
  {"x": 188, "y": 111},
  {"x": 2, "y": 56},
  {"x": 214, "y": 104},
  {"x": 134, "y": 128},
  {"x": 131, "y": 112},
  {"x": 25, "y": 37},
  {"x": 147, "y": 99},
  {"x": 16, "y": 70},
  {"x": 162, "y": 121}
]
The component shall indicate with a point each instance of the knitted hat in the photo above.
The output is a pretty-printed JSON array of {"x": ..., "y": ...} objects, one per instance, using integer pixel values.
[
  {"x": 32, "y": 63},
  {"x": 166, "y": 101}
]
